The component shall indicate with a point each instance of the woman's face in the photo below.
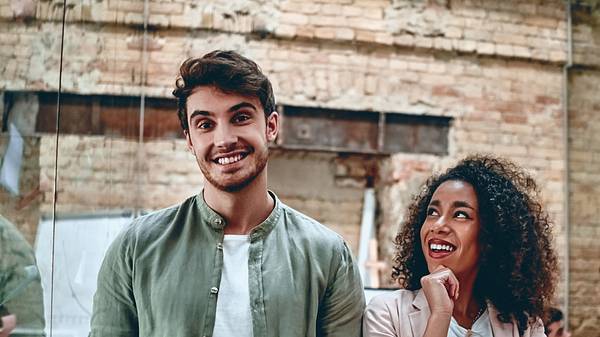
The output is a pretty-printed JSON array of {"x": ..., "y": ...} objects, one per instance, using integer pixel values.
[{"x": 449, "y": 235}]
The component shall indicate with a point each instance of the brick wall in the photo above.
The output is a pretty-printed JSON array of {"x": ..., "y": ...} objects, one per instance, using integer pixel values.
[
  {"x": 584, "y": 177},
  {"x": 112, "y": 53},
  {"x": 24, "y": 209},
  {"x": 584, "y": 174}
]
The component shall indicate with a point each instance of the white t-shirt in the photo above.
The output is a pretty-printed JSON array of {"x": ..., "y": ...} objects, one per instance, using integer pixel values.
[
  {"x": 233, "y": 317},
  {"x": 481, "y": 328}
]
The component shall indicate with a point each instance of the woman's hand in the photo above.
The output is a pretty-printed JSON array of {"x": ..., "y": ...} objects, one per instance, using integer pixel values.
[{"x": 441, "y": 290}]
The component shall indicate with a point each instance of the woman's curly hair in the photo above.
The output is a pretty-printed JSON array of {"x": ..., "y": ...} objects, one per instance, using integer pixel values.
[{"x": 517, "y": 264}]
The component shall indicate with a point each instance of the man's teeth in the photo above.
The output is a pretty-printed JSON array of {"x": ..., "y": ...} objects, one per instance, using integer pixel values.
[
  {"x": 435, "y": 246},
  {"x": 229, "y": 160}
]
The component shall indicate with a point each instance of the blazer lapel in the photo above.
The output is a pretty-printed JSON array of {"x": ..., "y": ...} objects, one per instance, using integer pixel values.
[
  {"x": 418, "y": 318},
  {"x": 501, "y": 329}
]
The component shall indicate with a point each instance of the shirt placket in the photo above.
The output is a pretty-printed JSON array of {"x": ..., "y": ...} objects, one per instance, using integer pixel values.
[
  {"x": 255, "y": 284},
  {"x": 211, "y": 309}
]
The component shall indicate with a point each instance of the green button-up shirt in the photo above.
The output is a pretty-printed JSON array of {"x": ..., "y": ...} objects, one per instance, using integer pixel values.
[
  {"x": 161, "y": 276},
  {"x": 26, "y": 299}
]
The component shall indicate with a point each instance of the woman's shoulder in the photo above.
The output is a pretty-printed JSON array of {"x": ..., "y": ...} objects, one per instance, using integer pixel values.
[
  {"x": 393, "y": 299},
  {"x": 387, "y": 314}
]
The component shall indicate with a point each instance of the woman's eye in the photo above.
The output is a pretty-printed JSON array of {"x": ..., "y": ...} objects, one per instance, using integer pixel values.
[
  {"x": 432, "y": 211},
  {"x": 461, "y": 215}
]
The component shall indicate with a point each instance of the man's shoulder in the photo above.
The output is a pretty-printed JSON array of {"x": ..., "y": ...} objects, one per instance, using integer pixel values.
[
  {"x": 152, "y": 224},
  {"x": 14, "y": 245},
  {"x": 307, "y": 226}
]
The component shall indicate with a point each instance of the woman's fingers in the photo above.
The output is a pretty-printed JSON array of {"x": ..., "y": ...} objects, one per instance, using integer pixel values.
[
  {"x": 454, "y": 285},
  {"x": 441, "y": 289},
  {"x": 450, "y": 281}
]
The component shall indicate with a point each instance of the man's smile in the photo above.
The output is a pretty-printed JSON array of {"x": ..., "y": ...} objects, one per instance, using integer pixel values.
[{"x": 229, "y": 159}]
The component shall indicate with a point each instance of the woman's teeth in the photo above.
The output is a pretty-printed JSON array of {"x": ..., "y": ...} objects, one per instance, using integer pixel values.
[{"x": 438, "y": 247}]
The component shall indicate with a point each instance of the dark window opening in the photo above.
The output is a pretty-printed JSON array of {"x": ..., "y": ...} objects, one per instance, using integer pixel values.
[{"x": 362, "y": 131}]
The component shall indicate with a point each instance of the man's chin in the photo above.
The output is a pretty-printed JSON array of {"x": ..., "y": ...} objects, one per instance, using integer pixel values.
[
  {"x": 234, "y": 187},
  {"x": 231, "y": 186}
]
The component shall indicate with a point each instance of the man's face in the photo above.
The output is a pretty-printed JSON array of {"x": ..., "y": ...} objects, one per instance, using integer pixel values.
[{"x": 229, "y": 136}]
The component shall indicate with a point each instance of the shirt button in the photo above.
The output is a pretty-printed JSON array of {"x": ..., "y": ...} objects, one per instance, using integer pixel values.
[
  {"x": 218, "y": 222},
  {"x": 214, "y": 290},
  {"x": 220, "y": 246}
]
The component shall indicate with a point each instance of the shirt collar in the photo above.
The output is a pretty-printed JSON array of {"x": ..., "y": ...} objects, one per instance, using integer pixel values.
[{"x": 217, "y": 222}]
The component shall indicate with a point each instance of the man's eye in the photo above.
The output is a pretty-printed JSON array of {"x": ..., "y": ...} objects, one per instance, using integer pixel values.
[
  {"x": 239, "y": 118},
  {"x": 204, "y": 125}
]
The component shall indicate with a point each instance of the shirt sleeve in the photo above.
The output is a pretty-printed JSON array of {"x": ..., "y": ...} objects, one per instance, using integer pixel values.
[
  {"x": 115, "y": 312},
  {"x": 341, "y": 310},
  {"x": 377, "y": 320},
  {"x": 15, "y": 256}
]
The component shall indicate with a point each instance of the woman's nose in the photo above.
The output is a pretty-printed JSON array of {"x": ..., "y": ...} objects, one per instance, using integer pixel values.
[{"x": 440, "y": 225}]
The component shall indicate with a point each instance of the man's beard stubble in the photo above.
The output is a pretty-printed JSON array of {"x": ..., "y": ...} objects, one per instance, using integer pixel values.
[{"x": 261, "y": 163}]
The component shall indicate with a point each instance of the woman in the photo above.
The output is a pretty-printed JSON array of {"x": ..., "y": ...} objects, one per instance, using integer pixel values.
[{"x": 474, "y": 258}]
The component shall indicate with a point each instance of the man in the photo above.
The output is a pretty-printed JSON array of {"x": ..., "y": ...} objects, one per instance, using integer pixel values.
[
  {"x": 21, "y": 298},
  {"x": 233, "y": 260}
]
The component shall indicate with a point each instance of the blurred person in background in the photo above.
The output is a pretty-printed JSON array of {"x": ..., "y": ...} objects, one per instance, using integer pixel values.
[
  {"x": 474, "y": 258},
  {"x": 7, "y": 324},
  {"x": 233, "y": 260},
  {"x": 21, "y": 298},
  {"x": 554, "y": 323}
]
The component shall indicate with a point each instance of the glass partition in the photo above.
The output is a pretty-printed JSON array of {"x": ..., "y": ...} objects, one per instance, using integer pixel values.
[
  {"x": 100, "y": 166},
  {"x": 30, "y": 71}
]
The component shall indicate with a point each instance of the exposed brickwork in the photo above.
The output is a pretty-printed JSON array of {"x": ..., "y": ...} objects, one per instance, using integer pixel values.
[
  {"x": 507, "y": 28},
  {"x": 584, "y": 176},
  {"x": 584, "y": 162},
  {"x": 24, "y": 209},
  {"x": 586, "y": 33}
]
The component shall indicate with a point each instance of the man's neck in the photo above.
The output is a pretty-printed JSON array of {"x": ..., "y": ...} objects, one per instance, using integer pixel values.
[{"x": 242, "y": 210}]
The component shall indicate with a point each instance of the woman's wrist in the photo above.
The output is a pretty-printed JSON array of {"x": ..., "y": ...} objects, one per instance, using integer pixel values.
[
  {"x": 440, "y": 317},
  {"x": 438, "y": 324}
]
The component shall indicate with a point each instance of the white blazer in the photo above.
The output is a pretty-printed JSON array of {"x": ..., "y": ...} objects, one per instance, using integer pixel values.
[{"x": 404, "y": 313}]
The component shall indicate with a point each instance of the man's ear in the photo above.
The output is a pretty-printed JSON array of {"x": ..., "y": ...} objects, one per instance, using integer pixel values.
[
  {"x": 272, "y": 126},
  {"x": 188, "y": 141}
]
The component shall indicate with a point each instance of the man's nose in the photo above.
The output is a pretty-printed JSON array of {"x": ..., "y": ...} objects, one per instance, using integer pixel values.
[{"x": 224, "y": 136}]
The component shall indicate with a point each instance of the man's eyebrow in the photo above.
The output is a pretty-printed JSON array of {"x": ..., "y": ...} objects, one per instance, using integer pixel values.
[
  {"x": 434, "y": 203},
  {"x": 199, "y": 112},
  {"x": 231, "y": 109},
  {"x": 242, "y": 105}
]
